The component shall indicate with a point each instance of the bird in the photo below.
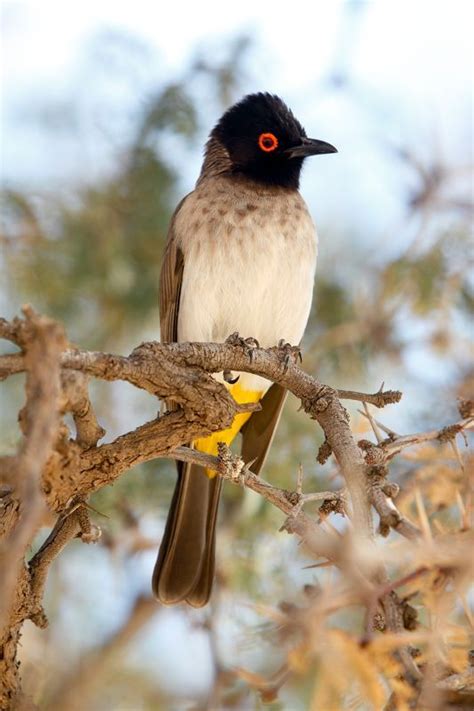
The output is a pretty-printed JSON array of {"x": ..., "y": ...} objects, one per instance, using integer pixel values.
[{"x": 240, "y": 257}]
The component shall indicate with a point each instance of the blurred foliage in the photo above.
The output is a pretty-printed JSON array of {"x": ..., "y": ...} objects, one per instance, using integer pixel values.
[
  {"x": 422, "y": 276},
  {"x": 91, "y": 258}
]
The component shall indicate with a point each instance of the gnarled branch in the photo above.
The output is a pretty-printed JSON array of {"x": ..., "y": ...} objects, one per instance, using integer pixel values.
[{"x": 67, "y": 471}]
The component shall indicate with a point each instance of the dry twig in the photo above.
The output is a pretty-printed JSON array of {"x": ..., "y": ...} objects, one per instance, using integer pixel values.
[{"x": 62, "y": 473}]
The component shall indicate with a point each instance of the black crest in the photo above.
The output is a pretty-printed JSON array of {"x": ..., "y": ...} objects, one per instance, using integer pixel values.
[{"x": 258, "y": 133}]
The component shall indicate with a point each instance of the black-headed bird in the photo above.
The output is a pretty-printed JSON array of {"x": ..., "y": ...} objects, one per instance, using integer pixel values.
[{"x": 240, "y": 257}]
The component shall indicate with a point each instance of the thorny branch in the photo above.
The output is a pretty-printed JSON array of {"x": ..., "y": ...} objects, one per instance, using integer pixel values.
[{"x": 54, "y": 472}]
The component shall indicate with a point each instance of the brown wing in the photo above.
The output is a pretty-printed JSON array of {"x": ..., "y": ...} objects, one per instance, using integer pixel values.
[
  {"x": 259, "y": 430},
  {"x": 171, "y": 279}
]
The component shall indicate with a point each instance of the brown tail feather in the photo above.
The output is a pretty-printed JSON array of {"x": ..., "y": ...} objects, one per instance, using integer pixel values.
[
  {"x": 184, "y": 569},
  {"x": 258, "y": 432}
]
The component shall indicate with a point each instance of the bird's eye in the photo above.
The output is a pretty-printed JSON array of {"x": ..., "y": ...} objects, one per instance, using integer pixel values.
[{"x": 267, "y": 142}]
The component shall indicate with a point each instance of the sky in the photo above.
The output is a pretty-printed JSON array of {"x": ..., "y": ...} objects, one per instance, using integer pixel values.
[
  {"x": 41, "y": 37},
  {"x": 415, "y": 53}
]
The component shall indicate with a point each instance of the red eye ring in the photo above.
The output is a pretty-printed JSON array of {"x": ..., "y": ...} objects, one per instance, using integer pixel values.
[{"x": 267, "y": 142}]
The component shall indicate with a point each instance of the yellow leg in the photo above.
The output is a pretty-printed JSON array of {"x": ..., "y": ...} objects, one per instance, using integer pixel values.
[{"x": 208, "y": 445}]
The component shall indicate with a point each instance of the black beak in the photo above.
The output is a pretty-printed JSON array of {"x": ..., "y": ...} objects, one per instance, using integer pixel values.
[{"x": 310, "y": 147}]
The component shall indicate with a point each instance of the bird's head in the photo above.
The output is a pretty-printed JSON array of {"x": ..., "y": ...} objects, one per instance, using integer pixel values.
[{"x": 261, "y": 139}]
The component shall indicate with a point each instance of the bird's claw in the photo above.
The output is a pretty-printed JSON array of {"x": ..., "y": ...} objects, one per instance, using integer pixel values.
[
  {"x": 230, "y": 378},
  {"x": 247, "y": 344},
  {"x": 289, "y": 354}
]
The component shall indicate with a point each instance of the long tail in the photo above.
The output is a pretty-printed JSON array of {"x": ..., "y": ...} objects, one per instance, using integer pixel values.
[{"x": 184, "y": 569}]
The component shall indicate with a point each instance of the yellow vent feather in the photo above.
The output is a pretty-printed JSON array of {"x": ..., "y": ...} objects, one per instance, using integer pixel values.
[{"x": 208, "y": 445}]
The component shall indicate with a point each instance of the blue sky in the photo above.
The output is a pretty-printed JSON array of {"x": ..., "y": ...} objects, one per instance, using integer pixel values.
[{"x": 415, "y": 55}]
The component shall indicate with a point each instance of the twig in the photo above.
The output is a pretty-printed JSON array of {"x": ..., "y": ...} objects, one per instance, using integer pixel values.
[
  {"x": 379, "y": 399},
  {"x": 43, "y": 340},
  {"x": 66, "y": 528},
  {"x": 182, "y": 374},
  {"x": 88, "y": 430},
  {"x": 396, "y": 443},
  {"x": 457, "y": 454},
  {"x": 10, "y": 364},
  {"x": 373, "y": 424},
  {"x": 390, "y": 516}
]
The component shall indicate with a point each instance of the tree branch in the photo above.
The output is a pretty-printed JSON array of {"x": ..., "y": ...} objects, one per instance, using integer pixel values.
[
  {"x": 380, "y": 399},
  {"x": 43, "y": 341},
  {"x": 182, "y": 374}
]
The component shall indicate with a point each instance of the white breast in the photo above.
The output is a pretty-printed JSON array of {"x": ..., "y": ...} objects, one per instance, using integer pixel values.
[{"x": 249, "y": 263}]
